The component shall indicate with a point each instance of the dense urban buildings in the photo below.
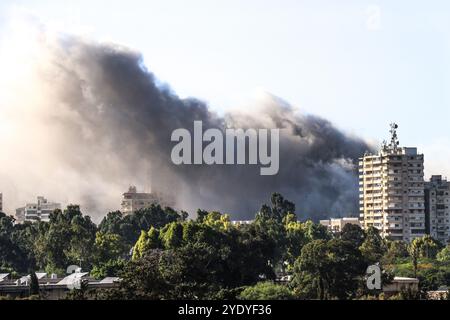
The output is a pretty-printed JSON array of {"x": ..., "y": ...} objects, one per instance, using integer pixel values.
[
  {"x": 39, "y": 211},
  {"x": 336, "y": 225},
  {"x": 391, "y": 188},
  {"x": 133, "y": 200},
  {"x": 437, "y": 202}
]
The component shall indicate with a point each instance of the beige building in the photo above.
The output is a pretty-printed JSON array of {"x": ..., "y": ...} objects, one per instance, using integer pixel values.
[
  {"x": 401, "y": 284},
  {"x": 437, "y": 211},
  {"x": 39, "y": 211},
  {"x": 133, "y": 200},
  {"x": 336, "y": 225},
  {"x": 391, "y": 191}
]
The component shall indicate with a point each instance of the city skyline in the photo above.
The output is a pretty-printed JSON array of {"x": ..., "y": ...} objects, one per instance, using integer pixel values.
[{"x": 320, "y": 75}]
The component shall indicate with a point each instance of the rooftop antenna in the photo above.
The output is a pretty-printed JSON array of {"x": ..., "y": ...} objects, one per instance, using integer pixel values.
[{"x": 394, "y": 138}]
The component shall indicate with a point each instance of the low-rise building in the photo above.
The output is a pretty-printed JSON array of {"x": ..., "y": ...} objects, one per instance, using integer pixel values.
[
  {"x": 336, "y": 225},
  {"x": 51, "y": 287},
  {"x": 39, "y": 211},
  {"x": 241, "y": 222},
  {"x": 401, "y": 284}
]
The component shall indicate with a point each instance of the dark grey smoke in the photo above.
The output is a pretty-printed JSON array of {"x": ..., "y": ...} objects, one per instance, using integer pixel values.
[{"x": 117, "y": 123}]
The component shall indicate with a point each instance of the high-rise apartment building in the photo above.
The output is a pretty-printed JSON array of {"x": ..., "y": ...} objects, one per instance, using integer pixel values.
[
  {"x": 1, "y": 202},
  {"x": 39, "y": 211},
  {"x": 437, "y": 208},
  {"x": 133, "y": 200},
  {"x": 391, "y": 186}
]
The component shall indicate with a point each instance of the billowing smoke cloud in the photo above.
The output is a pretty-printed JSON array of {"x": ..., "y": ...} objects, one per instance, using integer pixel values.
[{"x": 81, "y": 121}]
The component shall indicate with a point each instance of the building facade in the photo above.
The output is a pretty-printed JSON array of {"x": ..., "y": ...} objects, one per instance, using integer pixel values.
[
  {"x": 133, "y": 200},
  {"x": 391, "y": 188},
  {"x": 39, "y": 211},
  {"x": 336, "y": 225},
  {"x": 437, "y": 211},
  {"x": 1, "y": 202}
]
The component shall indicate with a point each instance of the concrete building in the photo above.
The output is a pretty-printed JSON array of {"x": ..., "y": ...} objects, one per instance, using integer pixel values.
[
  {"x": 391, "y": 191},
  {"x": 1, "y": 202},
  {"x": 400, "y": 284},
  {"x": 133, "y": 200},
  {"x": 336, "y": 225},
  {"x": 437, "y": 208},
  {"x": 52, "y": 287},
  {"x": 39, "y": 211}
]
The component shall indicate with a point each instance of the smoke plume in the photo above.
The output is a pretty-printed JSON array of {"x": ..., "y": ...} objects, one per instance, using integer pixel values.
[{"x": 80, "y": 121}]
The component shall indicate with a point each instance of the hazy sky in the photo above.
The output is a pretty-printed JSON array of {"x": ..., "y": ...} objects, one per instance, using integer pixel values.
[{"x": 360, "y": 64}]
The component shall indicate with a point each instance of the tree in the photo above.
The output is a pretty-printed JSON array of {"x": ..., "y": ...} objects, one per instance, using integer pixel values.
[
  {"x": 395, "y": 250},
  {"x": 414, "y": 251},
  {"x": 425, "y": 247},
  {"x": 296, "y": 239},
  {"x": 315, "y": 231},
  {"x": 353, "y": 234},
  {"x": 111, "y": 268},
  {"x": 217, "y": 221},
  {"x": 147, "y": 241},
  {"x": 278, "y": 209},
  {"x": 67, "y": 239},
  {"x": 108, "y": 246},
  {"x": 34, "y": 284},
  {"x": 16, "y": 242},
  {"x": 373, "y": 248},
  {"x": 129, "y": 227},
  {"x": 444, "y": 254},
  {"x": 266, "y": 291},
  {"x": 328, "y": 269},
  {"x": 142, "y": 280}
]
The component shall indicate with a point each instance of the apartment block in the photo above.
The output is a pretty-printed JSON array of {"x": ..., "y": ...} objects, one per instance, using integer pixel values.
[
  {"x": 133, "y": 200},
  {"x": 337, "y": 224},
  {"x": 39, "y": 211},
  {"x": 391, "y": 190},
  {"x": 437, "y": 211}
]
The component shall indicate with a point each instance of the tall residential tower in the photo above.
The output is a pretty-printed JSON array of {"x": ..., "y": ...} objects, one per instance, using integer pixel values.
[
  {"x": 391, "y": 188},
  {"x": 437, "y": 208}
]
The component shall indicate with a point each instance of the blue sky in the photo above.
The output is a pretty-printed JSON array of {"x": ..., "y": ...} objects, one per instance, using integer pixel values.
[{"x": 337, "y": 59}]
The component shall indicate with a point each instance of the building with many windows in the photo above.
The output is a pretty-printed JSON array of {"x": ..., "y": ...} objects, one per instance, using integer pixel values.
[
  {"x": 133, "y": 200},
  {"x": 437, "y": 211},
  {"x": 391, "y": 188},
  {"x": 39, "y": 211}
]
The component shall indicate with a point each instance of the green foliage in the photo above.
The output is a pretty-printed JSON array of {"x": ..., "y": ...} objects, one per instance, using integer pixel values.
[
  {"x": 396, "y": 251},
  {"x": 68, "y": 239},
  {"x": 266, "y": 291},
  {"x": 374, "y": 247},
  {"x": 15, "y": 247},
  {"x": 111, "y": 268},
  {"x": 278, "y": 209},
  {"x": 210, "y": 258},
  {"x": 34, "y": 284},
  {"x": 353, "y": 234},
  {"x": 108, "y": 246},
  {"x": 444, "y": 254},
  {"x": 129, "y": 227},
  {"x": 328, "y": 269}
]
